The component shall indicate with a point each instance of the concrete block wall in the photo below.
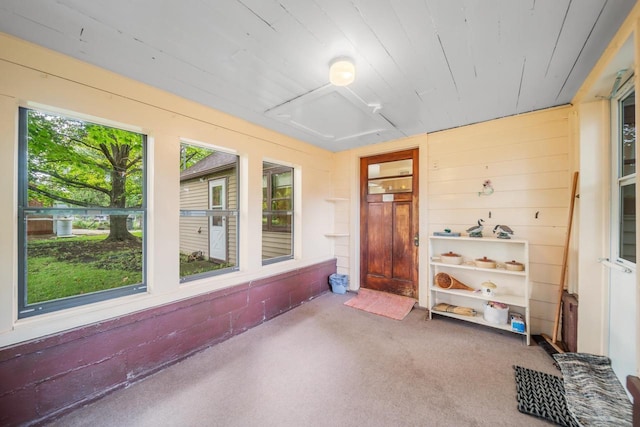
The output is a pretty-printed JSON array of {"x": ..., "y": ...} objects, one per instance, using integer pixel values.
[{"x": 45, "y": 378}]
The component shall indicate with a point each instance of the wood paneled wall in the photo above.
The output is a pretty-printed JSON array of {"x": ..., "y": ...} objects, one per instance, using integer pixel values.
[{"x": 528, "y": 160}]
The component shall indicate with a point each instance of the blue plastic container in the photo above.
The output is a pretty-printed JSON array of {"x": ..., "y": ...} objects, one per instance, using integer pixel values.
[{"x": 339, "y": 283}]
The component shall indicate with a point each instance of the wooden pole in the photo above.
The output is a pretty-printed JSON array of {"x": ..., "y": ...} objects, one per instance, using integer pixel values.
[{"x": 565, "y": 257}]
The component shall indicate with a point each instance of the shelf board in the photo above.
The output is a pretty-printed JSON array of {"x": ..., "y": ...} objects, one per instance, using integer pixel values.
[
  {"x": 478, "y": 239},
  {"x": 510, "y": 300},
  {"x": 474, "y": 268},
  {"x": 479, "y": 320}
]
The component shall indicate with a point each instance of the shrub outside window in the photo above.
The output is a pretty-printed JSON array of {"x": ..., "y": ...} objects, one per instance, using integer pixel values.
[
  {"x": 208, "y": 212},
  {"x": 81, "y": 212},
  {"x": 277, "y": 212}
]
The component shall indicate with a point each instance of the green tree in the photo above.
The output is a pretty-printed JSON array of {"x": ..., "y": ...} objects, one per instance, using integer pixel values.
[
  {"x": 191, "y": 154},
  {"x": 85, "y": 165}
]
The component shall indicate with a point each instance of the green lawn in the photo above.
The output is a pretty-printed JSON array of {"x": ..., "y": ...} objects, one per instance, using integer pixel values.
[
  {"x": 70, "y": 266},
  {"x": 63, "y": 267}
]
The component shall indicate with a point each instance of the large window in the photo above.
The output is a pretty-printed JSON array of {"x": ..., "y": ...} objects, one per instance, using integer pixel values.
[
  {"x": 82, "y": 212},
  {"x": 208, "y": 211},
  {"x": 277, "y": 212}
]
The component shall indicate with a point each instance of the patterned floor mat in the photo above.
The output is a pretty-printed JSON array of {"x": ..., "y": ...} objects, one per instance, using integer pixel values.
[
  {"x": 594, "y": 395},
  {"x": 542, "y": 395}
]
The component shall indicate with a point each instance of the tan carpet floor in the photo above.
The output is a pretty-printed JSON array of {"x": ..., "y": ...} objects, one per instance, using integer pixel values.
[{"x": 326, "y": 364}]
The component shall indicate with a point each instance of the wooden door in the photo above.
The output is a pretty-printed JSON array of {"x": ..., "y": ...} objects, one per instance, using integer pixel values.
[{"x": 389, "y": 223}]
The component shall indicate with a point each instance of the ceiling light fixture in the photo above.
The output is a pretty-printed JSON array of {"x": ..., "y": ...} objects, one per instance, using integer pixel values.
[{"x": 342, "y": 72}]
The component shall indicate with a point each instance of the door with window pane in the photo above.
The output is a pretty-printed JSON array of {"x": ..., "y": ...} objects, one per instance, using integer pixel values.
[
  {"x": 218, "y": 224},
  {"x": 389, "y": 223},
  {"x": 622, "y": 280}
]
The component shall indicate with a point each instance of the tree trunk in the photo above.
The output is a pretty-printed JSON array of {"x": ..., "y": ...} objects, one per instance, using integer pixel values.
[{"x": 118, "y": 229}]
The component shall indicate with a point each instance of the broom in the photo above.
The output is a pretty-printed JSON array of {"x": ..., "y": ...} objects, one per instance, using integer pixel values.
[{"x": 553, "y": 340}]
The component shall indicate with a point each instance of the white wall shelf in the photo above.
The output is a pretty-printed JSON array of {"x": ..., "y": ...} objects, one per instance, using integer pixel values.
[
  {"x": 513, "y": 287},
  {"x": 335, "y": 200}
]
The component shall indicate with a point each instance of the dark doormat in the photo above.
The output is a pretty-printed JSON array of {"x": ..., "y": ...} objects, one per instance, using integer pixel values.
[{"x": 542, "y": 395}]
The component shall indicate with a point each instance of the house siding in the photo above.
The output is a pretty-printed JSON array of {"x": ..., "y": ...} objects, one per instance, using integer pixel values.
[
  {"x": 275, "y": 244},
  {"x": 194, "y": 231}
]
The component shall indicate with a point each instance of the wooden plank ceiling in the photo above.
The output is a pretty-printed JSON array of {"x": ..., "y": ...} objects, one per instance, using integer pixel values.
[{"x": 421, "y": 65}]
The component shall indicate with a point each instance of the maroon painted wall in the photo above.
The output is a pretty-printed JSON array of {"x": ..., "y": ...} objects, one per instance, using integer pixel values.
[{"x": 47, "y": 377}]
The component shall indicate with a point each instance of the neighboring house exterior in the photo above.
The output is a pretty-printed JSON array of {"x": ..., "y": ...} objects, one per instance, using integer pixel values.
[{"x": 210, "y": 184}]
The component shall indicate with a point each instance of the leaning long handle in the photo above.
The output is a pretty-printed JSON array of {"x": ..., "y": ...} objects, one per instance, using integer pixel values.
[{"x": 565, "y": 257}]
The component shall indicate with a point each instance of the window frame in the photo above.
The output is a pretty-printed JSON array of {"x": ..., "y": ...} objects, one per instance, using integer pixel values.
[
  {"x": 623, "y": 180},
  {"x": 26, "y": 310},
  {"x": 269, "y": 200},
  {"x": 276, "y": 168},
  {"x": 210, "y": 213}
]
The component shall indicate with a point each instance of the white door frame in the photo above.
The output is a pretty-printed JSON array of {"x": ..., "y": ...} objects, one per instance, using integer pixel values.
[
  {"x": 621, "y": 308},
  {"x": 217, "y": 224}
]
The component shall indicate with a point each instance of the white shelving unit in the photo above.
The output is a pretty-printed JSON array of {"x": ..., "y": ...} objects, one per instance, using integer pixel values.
[
  {"x": 512, "y": 286},
  {"x": 334, "y": 200}
]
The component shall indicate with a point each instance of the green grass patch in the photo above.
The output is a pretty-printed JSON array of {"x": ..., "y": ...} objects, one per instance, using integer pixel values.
[
  {"x": 190, "y": 266},
  {"x": 64, "y": 267}
]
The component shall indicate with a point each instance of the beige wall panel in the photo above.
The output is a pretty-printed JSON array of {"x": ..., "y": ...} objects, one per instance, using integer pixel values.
[
  {"x": 527, "y": 160},
  {"x": 545, "y": 254},
  {"x": 8, "y": 234},
  {"x": 544, "y": 292},
  {"x": 342, "y": 250},
  {"x": 545, "y": 236},
  {"x": 507, "y": 168},
  {"x": 513, "y": 129},
  {"x": 545, "y": 180},
  {"x": 467, "y": 156},
  {"x": 519, "y": 217},
  {"x": 342, "y": 263},
  {"x": 504, "y": 199},
  {"x": 545, "y": 273},
  {"x": 538, "y": 324},
  {"x": 543, "y": 310}
]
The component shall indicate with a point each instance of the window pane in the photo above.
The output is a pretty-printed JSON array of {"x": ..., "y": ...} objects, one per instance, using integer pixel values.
[
  {"x": 82, "y": 203},
  {"x": 277, "y": 212},
  {"x": 208, "y": 212},
  {"x": 391, "y": 177},
  {"x": 628, "y": 223},
  {"x": 628, "y": 143},
  {"x": 391, "y": 185},
  {"x": 73, "y": 255},
  {"x": 74, "y": 163},
  {"x": 395, "y": 168}
]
